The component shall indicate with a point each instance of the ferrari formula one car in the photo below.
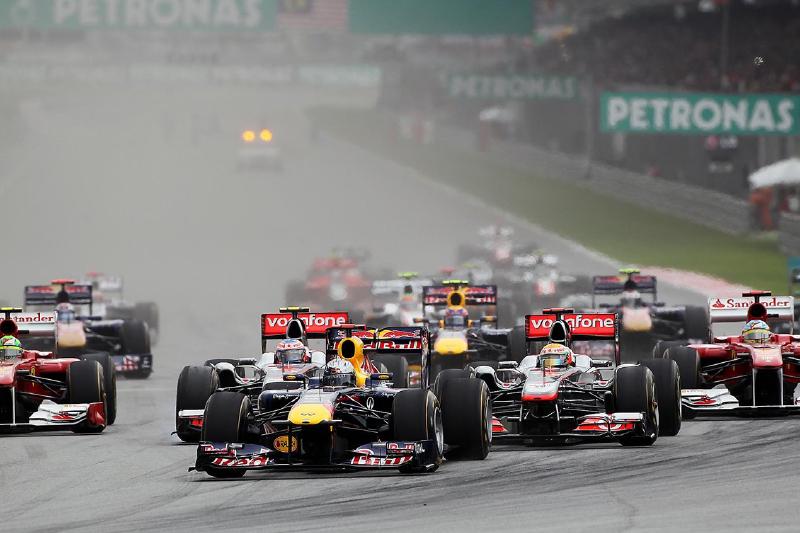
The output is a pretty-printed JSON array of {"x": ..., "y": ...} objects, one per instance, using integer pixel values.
[
  {"x": 645, "y": 323},
  {"x": 589, "y": 399},
  {"x": 77, "y": 334},
  {"x": 349, "y": 418},
  {"x": 458, "y": 340},
  {"x": 274, "y": 369},
  {"x": 734, "y": 376},
  {"x": 41, "y": 391}
]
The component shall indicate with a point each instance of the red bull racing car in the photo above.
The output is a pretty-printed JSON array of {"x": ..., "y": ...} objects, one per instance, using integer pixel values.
[{"x": 349, "y": 418}]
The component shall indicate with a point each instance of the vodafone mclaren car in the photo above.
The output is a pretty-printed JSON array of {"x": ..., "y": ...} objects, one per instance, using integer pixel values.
[
  {"x": 78, "y": 332},
  {"x": 457, "y": 338},
  {"x": 644, "y": 323},
  {"x": 742, "y": 375},
  {"x": 41, "y": 391},
  {"x": 542, "y": 400},
  {"x": 349, "y": 418},
  {"x": 290, "y": 364},
  {"x": 109, "y": 303}
]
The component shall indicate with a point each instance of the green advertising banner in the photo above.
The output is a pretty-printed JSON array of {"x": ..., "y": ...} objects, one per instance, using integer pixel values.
[
  {"x": 522, "y": 86},
  {"x": 700, "y": 113},
  {"x": 437, "y": 17},
  {"x": 204, "y": 15}
]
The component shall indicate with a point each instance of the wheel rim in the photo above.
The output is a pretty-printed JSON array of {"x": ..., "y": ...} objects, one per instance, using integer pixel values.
[
  {"x": 487, "y": 415},
  {"x": 438, "y": 430}
]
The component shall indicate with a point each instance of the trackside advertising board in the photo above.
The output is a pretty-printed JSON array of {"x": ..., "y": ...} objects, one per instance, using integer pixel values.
[
  {"x": 202, "y": 15},
  {"x": 514, "y": 86},
  {"x": 700, "y": 113}
]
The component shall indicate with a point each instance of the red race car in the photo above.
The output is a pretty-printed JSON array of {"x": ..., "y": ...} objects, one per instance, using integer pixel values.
[
  {"x": 742, "y": 375},
  {"x": 39, "y": 391}
]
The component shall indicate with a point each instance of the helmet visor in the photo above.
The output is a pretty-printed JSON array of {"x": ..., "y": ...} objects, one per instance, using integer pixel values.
[
  {"x": 10, "y": 352},
  {"x": 756, "y": 336},
  {"x": 553, "y": 360},
  {"x": 294, "y": 355}
]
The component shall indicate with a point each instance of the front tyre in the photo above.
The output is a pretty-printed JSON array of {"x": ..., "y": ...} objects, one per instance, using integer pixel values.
[{"x": 634, "y": 392}]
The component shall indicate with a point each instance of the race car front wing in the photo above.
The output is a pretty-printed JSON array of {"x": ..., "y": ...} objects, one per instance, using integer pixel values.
[
  {"x": 592, "y": 427},
  {"x": 53, "y": 416},
  {"x": 720, "y": 402}
]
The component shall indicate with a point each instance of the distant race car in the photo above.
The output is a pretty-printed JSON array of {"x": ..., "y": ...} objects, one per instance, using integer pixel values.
[
  {"x": 258, "y": 151},
  {"x": 397, "y": 301},
  {"x": 349, "y": 418},
  {"x": 109, "y": 303},
  {"x": 78, "y": 332},
  {"x": 590, "y": 399},
  {"x": 644, "y": 323},
  {"x": 458, "y": 339},
  {"x": 41, "y": 391},
  {"x": 249, "y": 376},
  {"x": 735, "y": 376},
  {"x": 336, "y": 281}
]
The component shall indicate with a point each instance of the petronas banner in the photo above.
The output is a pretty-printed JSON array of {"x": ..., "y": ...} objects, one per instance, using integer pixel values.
[
  {"x": 700, "y": 113},
  {"x": 204, "y": 15}
]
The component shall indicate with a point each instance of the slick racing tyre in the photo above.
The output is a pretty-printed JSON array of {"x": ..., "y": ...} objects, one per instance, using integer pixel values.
[
  {"x": 467, "y": 415},
  {"x": 225, "y": 420},
  {"x": 668, "y": 392},
  {"x": 196, "y": 384},
  {"x": 135, "y": 337},
  {"x": 661, "y": 347},
  {"x": 448, "y": 375},
  {"x": 397, "y": 366},
  {"x": 147, "y": 312},
  {"x": 688, "y": 365},
  {"x": 416, "y": 416},
  {"x": 109, "y": 383},
  {"x": 634, "y": 392},
  {"x": 696, "y": 324},
  {"x": 85, "y": 385}
]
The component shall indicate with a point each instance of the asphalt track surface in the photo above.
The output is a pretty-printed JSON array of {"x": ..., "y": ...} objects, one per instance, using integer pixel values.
[{"x": 96, "y": 186}]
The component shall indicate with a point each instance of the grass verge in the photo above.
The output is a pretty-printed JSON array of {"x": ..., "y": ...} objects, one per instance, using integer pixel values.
[{"x": 626, "y": 232}]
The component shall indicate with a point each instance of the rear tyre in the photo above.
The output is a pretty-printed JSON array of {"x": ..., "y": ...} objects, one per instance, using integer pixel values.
[
  {"x": 688, "y": 365},
  {"x": 397, "y": 366},
  {"x": 416, "y": 416},
  {"x": 696, "y": 324},
  {"x": 467, "y": 416},
  {"x": 109, "y": 383},
  {"x": 634, "y": 392},
  {"x": 448, "y": 375},
  {"x": 225, "y": 420},
  {"x": 517, "y": 344},
  {"x": 85, "y": 385},
  {"x": 668, "y": 393},
  {"x": 662, "y": 346},
  {"x": 135, "y": 337},
  {"x": 196, "y": 384},
  {"x": 147, "y": 312}
]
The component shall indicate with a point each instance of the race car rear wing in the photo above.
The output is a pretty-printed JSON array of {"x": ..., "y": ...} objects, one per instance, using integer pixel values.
[
  {"x": 401, "y": 340},
  {"x": 299, "y": 322},
  {"x": 616, "y": 284},
  {"x": 384, "y": 287},
  {"x": 56, "y": 292},
  {"x": 754, "y": 305},
  {"x": 436, "y": 295},
  {"x": 564, "y": 326},
  {"x": 15, "y": 322}
]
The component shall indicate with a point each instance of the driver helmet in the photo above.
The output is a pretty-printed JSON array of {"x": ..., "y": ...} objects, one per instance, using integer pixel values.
[
  {"x": 291, "y": 351},
  {"x": 339, "y": 373},
  {"x": 556, "y": 356},
  {"x": 456, "y": 318},
  {"x": 10, "y": 347},
  {"x": 756, "y": 332},
  {"x": 631, "y": 298},
  {"x": 65, "y": 312}
]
